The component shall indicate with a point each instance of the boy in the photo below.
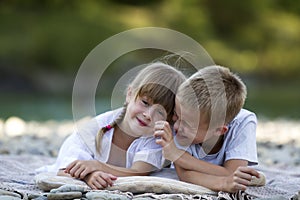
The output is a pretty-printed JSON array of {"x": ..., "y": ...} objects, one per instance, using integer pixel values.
[{"x": 215, "y": 138}]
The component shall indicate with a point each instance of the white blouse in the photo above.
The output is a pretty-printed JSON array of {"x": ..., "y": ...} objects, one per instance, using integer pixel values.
[{"x": 81, "y": 146}]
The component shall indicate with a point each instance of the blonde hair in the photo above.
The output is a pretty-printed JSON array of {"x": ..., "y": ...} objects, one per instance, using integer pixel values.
[
  {"x": 214, "y": 88},
  {"x": 157, "y": 81}
]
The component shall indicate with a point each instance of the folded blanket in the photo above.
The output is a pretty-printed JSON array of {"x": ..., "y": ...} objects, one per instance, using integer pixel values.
[{"x": 17, "y": 178}]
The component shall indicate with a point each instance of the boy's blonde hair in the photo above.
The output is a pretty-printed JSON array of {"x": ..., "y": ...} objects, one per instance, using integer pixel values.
[
  {"x": 214, "y": 89},
  {"x": 157, "y": 81}
]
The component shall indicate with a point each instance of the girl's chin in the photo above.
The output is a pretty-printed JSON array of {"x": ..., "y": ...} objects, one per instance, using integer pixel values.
[{"x": 142, "y": 131}]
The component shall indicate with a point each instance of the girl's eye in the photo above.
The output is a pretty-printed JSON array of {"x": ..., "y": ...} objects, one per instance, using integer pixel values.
[{"x": 145, "y": 102}]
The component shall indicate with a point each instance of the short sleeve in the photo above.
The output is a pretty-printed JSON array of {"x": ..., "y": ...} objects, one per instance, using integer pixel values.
[
  {"x": 243, "y": 143},
  {"x": 150, "y": 152}
]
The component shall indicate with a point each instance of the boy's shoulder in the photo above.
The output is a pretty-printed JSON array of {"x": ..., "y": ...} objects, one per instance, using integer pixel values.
[{"x": 244, "y": 116}]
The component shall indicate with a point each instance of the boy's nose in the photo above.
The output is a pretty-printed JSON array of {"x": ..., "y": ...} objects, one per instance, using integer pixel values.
[
  {"x": 155, "y": 112},
  {"x": 176, "y": 125}
]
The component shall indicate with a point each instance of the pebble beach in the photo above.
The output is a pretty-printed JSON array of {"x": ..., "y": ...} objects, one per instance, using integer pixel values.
[{"x": 278, "y": 141}]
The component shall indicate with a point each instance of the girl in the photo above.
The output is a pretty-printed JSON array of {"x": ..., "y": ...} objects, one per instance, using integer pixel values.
[{"x": 124, "y": 145}]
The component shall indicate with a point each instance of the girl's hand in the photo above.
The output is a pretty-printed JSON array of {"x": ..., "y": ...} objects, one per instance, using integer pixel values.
[
  {"x": 99, "y": 180},
  {"x": 240, "y": 179},
  {"x": 81, "y": 168}
]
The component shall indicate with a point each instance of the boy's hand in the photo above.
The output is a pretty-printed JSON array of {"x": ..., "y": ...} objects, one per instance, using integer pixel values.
[
  {"x": 240, "y": 179},
  {"x": 163, "y": 133},
  {"x": 81, "y": 168},
  {"x": 99, "y": 180}
]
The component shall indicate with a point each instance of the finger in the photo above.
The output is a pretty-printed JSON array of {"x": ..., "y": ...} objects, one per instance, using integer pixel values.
[
  {"x": 159, "y": 133},
  {"x": 160, "y": 125},
  {"x": 249, "y": 170},
  {"x": 83, "y": 173},
  {"x": 241, "y": 181},
  {"x": 240, "y": 187},
  {"x": 92, "y": 186},
  {"x": 243, "y": 175},
  {"x": 97, "y": 184},
  {"x": 163, "y": 134},
  {"x": 70, "y": 166},
  {"x": 112, "y": 177},
  {"x": 109, "y": 178},
  {"x": 102, "y": 182},
  {"x": 161, "y": 142},
  {"x": 74, "y": 170},
  {"x": 78, "y": 172}
]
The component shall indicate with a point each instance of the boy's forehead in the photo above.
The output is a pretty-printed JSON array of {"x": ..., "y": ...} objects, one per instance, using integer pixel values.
[{"x": 187, "y": 112}]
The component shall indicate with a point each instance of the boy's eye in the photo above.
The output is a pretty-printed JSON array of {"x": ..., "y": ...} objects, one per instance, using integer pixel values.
[{"x": 161, "y": 112}]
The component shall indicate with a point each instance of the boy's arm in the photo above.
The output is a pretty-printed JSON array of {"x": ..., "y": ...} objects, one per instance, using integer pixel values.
[
  {"x": 238, "y": 180},
  {"x": 187, "y": 162}
]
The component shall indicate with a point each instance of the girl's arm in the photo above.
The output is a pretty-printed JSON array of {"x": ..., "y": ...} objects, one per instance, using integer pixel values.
[{"x": 81, "y": 168}]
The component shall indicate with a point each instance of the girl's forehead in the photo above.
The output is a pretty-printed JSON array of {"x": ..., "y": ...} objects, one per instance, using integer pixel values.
[{"x": 145, "y": 97}]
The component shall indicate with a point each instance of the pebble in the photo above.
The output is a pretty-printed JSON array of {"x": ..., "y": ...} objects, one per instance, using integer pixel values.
[
  {"x": 105, "y": 195},
  {"x": 8, "y": 193},
  {"x": 64, "y": 195},
  {"x": 7, "y": 197}
]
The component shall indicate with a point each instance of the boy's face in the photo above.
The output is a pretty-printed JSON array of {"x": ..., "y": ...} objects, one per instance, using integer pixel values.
[{"x": 189, "y": 127}]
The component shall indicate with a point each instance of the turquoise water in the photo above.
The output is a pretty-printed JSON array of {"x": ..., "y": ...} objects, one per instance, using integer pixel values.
[
  {"x": 270, "y": 101},
  {"x": 41, "y": 108}
]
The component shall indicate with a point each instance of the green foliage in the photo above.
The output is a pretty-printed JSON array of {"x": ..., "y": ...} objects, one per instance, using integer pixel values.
[{"x": 255, "y": 38}]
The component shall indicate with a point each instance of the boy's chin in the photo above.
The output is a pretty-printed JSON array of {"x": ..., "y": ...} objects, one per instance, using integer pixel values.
[{"x": 183, "y": 141}]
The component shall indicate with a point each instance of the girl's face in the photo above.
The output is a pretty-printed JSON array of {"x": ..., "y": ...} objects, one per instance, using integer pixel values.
[{"x": 142, "y": 114}]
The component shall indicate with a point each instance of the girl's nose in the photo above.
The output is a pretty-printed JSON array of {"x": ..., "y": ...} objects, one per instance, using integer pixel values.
[{"x": 147, "y": 114}]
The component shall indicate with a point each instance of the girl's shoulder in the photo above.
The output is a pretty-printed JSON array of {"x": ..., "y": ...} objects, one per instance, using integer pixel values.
[{"x": 107, "y": 117}]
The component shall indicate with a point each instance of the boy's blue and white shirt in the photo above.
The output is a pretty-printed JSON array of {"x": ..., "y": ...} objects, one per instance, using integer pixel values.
[
  {"x": 81, "y": 146},
  {"x": 239, "y": 142}
]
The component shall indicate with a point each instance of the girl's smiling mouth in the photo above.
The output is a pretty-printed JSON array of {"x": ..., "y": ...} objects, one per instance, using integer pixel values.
[{"x": 142, "y": 123}]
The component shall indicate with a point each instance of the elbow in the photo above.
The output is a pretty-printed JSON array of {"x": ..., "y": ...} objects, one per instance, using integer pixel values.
[{"x": 182, "y": 176}]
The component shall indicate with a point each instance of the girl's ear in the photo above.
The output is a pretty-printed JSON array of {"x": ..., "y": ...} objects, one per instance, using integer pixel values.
[{"x": 129, "y": 94}]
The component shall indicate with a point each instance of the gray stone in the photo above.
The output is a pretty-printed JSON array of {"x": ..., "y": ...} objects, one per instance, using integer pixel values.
[
  {"x": 102, "y": 195},
  {"x": 9, "y": 193},
  {"x": 69, "y": 188},
  {"x": 48, "y": 181},
  {"x": 64, "y": 195},
  {"x": 8, "y": 197}
]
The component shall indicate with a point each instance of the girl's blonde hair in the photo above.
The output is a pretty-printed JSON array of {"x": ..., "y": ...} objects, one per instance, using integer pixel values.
[
  {"x": 157, "y": 81},
  {"x": 213, "y": 88}
]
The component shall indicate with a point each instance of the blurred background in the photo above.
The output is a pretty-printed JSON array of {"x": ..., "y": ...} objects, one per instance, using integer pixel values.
[{"x": 44, "y": 42}]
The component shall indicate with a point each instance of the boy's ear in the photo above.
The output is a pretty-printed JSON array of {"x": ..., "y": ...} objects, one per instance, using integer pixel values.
[
  {"x": 128, "y": 94},
  {"x": 222, "y": 130}
]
